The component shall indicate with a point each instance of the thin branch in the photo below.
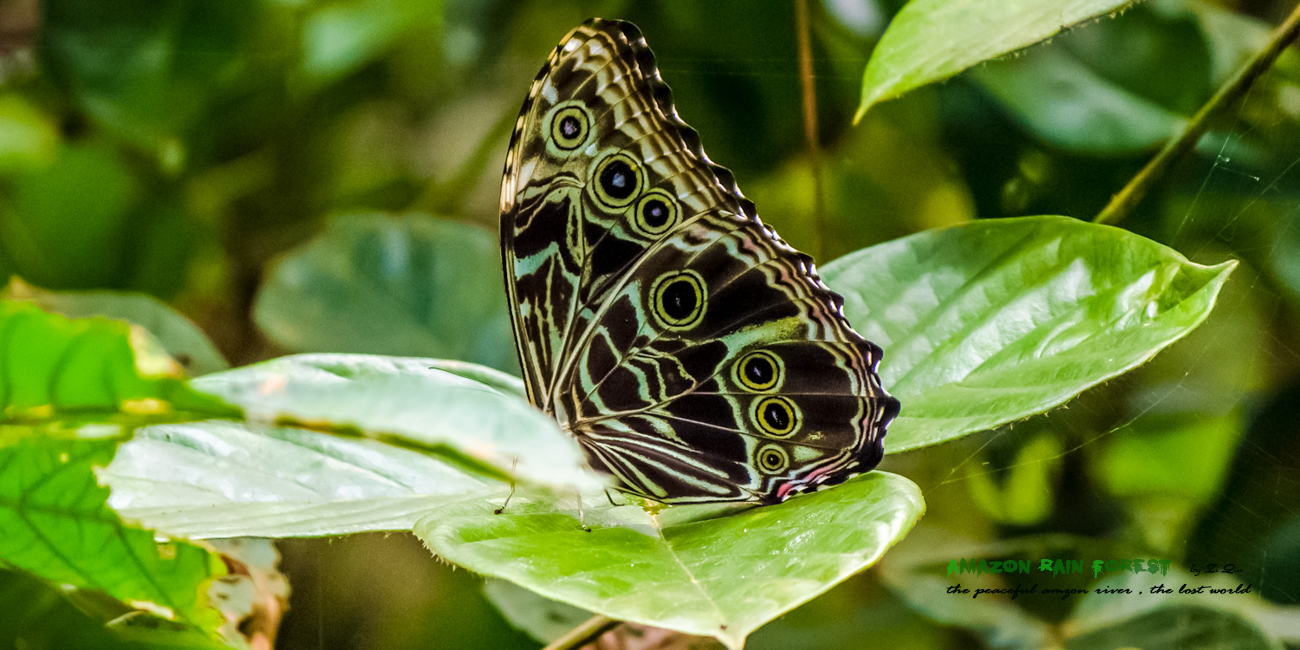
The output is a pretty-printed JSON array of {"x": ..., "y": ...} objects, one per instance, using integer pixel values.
[
  {"x": 585, "y": 633},
  {"x": 1232, "y": 90},
  {"x": 810, "y": 124}
]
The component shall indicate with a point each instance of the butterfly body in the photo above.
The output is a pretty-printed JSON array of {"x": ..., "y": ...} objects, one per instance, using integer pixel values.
[{"x": 691, "y": 352}]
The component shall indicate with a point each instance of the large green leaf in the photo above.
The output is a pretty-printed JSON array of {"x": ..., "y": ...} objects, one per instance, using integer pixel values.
[
  {"x": 722, "y": 576},
  {"x": 57, "y": 525},
  {"x": 223, "y": 478},
  {"x": 993, "y": 321},
  {"x": 930, "y": 40},
  {"x": 427, "y": 403},
  {"x": 408, "y": 285},
  {"x": 182, "y": 340}
]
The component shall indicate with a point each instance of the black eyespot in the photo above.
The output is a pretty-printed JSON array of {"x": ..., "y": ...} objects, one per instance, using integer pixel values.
[
  {"x": 759, "y": 371},
  {"x": 677, "y": 299},
  {"x": 569, "y": 127},
  {"x": 655, "y": 214},
  {"x": 776, "y": 416},
  {"x": 618, "y": 180},
  {"x": 772, "y": 459},
  {"x": 680, "y": 299}
]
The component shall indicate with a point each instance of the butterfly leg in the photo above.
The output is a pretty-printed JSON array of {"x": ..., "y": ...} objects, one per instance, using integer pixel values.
[
  {"x": 512, "y": 489},
  {"x": 581, "y": 521},
  {"x": 611, "y": 498}
]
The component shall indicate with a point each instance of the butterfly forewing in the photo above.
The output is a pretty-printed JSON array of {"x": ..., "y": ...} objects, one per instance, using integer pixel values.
[{"x": 692, "y": 352}]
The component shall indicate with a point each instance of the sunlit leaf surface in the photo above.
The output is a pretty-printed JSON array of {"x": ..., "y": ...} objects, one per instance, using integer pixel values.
[
  {"x": 995, "y": 320},
  {"x": 412, "y": 400},
  {"x": 223, "y": 478},
  {"x": 722, "y": 577}
]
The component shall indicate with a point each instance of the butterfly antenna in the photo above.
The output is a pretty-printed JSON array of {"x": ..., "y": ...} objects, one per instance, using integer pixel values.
[{"x": 502, "y": 509}]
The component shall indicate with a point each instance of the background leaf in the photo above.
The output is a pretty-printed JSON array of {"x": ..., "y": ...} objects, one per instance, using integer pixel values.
[
  {"x": 993, "y": 321},
  {"x": 408, "y": 285},
  {"x": 542, "y": 618},
  {"x": 166, "y": 59}
]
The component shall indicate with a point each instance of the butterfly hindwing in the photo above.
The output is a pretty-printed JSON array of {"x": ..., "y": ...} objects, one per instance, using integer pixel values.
[{"x": 692, "y": 352}]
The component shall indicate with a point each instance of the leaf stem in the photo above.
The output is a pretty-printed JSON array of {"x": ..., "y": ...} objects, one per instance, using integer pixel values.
[
  {"x": 1233, "y": 89},
  {"x": 588, "y": 631},
  {"x": 809, "y": 88}
]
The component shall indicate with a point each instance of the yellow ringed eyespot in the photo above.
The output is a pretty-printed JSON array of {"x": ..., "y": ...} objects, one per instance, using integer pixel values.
[
  {"x": 655, "y": 213},
  {"x": 570, "y": 126},
  {"x": 772, "y": 459},
  {"x": 677, "y": 299},
  {"x": 759, "y": 371},
  {"x": 617, "y": 181},
  {"x": 776, "y": 416}
]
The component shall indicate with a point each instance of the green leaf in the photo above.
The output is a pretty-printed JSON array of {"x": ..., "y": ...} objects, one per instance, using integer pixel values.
[
  {"x": 223, "y": 478},
  {"x": 930, "y": 40},
  {"x": 541, "y": 618},
  {"x": 58, "y": 526},
  {"x": 408, "y": 285},
  {"x": 41, "y": 615},
  {"x": 53, "y": 366},
  {"x": 1145, "y": 619},
  {"x": 408, "y": 401},
  {"x": 29, "y": 139},
  {"x": 1176, "y": 627},
  {"x": 1065, "y": 102},
  {"x": 341, "y": 37},
  {"x": 65, "y": 223},
  {"x": 182, "y": 339},
  {"x": 144, "y": 68},
  {"x": 996, "y": 320},
  {"x": 722, "y": 576},
  {"x": 1193, "y": 455}
]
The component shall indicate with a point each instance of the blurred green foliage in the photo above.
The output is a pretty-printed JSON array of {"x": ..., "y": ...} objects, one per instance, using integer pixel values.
[{"x": 191, "y": 150}]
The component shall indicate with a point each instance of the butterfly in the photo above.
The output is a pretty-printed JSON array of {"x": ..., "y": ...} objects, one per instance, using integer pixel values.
[{"x": 692, "y": 353}]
